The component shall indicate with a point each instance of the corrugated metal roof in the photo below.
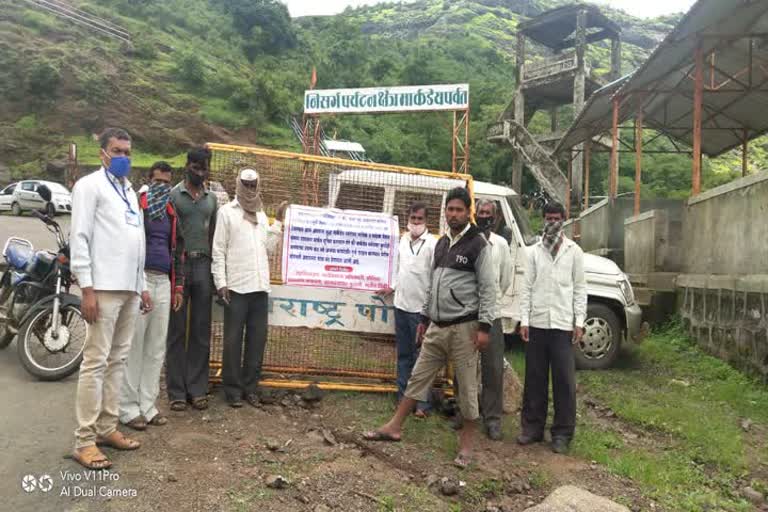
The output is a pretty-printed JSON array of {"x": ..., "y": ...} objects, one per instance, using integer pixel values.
[{"x": 735, "y": 99}]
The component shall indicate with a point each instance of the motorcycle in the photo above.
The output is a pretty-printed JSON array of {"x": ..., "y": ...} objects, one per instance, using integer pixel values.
[{"x": 37, "y": 307}]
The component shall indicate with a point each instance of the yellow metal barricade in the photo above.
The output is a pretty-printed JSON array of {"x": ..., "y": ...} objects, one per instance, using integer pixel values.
[{"x": 335, "y": 359}]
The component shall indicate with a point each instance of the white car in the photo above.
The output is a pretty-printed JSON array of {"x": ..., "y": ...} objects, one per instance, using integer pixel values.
[
  {"x": 6, "y": 197},
  {"x": 26, "y": 198}
]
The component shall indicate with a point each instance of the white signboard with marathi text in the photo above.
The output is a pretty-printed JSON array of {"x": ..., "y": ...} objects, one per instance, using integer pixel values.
[
  {"x": 328, "y": 308},
  {"x": 331, "y": 248},
  {"x": 417, "y": 98}
]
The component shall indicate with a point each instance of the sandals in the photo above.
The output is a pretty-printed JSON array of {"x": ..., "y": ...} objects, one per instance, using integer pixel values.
[
  {"x": 90, "y": 457},
  {"x": 200, "y": 403},
  {"x": 462, "y": 461},
  {"x": 138, "y": 423},
  {"x": 419, "y": 414},
  {"x": 377, "y": 435},
  {"x": 178, "y": 405},
  {"x": 158, "y": 420},
  {"x": 119, "y": 441},
  {"x": 253, "y": 400}
]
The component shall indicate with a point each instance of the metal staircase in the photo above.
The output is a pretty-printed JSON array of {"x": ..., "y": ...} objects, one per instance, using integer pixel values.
[{"x": 536, "y": 157}]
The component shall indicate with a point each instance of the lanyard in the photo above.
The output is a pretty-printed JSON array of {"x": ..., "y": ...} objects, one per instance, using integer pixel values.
[
  {"x": 123, "y": 195},
  {"x": 418, "y": 250}
]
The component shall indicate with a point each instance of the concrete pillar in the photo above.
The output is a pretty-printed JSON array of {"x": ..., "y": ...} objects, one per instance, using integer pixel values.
[
  {"x": 554, "y": 119},
  {"x": 519, "y": 111},
  {"x": 616, "y": 58},
  {"x": 578, "y": 100}
]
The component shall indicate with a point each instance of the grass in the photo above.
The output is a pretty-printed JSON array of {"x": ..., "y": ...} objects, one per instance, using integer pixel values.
[
  {"x": 689, "y": 406},
  {"x": 88, "y": 154}
]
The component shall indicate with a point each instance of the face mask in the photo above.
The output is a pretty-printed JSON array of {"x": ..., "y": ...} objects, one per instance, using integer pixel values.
[
  {"x": 194, "y": 178},
  {"x": 417, "y": 229},
  {"x": 158, "y": 188},
  {"x": 120, "y": 166},
  {"x": 157, "y": 199},
  {"x": 485, "y": 223},
  {"x": 552, "y": 228}
]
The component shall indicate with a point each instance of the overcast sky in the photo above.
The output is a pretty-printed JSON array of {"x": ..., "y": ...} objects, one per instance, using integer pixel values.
[{"x": 647, "y": 8}]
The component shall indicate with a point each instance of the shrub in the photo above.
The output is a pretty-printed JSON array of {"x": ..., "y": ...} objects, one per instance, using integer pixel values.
[{"x": 43, "y": 79}]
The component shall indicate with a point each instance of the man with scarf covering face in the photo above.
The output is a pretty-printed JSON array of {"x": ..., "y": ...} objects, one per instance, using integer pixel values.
[
  {"x": 165, "y": 284},
  {"x": 553, "y": 307},
  {"x": 242, "y": 244}
]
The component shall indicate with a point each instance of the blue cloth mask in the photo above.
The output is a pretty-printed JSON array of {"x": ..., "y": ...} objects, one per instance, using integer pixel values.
[{"x": 120, "y": 166}]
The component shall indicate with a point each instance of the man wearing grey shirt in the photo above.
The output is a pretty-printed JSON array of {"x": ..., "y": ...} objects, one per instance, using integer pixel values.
[
  {"x": 107, "y": 257},
  {"x": 188, "y": 355}
]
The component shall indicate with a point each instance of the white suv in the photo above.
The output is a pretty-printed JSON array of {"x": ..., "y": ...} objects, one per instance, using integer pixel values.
[
  {"x": 613, "y": 315},
  {"x": 26, "y": 198}
]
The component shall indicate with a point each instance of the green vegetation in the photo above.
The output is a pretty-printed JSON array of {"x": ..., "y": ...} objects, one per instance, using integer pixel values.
[
  {"x": 686, "y": 408},
  {"x": 215, "y": 70}
]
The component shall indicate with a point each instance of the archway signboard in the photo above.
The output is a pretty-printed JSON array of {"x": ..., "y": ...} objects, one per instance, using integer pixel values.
[{"x": 377, "y": 100}]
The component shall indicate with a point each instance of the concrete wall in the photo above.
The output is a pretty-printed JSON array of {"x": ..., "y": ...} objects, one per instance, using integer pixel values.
[
  {"x": 726, "y": 229},
  {"x": 652, "y": 243},
  {"x": 602, "y": 225},
  {"x": 724, "y": 287}
]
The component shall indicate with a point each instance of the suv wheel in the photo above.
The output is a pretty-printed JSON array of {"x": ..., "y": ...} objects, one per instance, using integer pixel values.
[
  {"x": 602, "y": 339},
  {"x": 16, "y": 209}
]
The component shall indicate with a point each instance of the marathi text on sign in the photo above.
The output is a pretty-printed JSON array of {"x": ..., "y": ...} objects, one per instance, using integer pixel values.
[
  {"x": 387, "y": 99},
  {"x": 333, "y": 309},
  {"x": 329, "y": 248}
]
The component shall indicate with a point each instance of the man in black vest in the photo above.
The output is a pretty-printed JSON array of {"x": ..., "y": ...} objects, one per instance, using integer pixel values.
[{"x": 456, "y": 319}]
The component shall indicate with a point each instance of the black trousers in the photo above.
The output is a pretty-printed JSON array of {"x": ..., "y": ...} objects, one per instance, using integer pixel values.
[
  {"x": 549, "y": 349},
  {"x": 187, "y": 360},
  {"x": 242, "y": 371},
  {"x": 492, "y": 375}
]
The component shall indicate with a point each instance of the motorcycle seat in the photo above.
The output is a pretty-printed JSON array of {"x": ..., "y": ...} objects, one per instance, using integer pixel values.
[{"x": 19, "y": 256}]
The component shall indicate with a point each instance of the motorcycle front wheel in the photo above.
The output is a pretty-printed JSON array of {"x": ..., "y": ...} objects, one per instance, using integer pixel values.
[{"x": 50, "y": 355}]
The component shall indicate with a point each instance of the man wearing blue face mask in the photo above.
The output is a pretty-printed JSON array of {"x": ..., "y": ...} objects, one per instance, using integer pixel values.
[
  {"x": 165, "y": 283},
  {"x": 107, "y": 258}
]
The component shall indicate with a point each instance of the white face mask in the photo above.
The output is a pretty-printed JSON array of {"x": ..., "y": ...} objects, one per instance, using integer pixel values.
[{"x": 417, "y": 229}]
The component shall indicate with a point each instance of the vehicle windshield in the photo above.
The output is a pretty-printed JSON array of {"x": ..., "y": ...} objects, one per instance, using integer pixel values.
[
  {"x": 521, "y": 217},
  {"x": 57, "y": 188}
]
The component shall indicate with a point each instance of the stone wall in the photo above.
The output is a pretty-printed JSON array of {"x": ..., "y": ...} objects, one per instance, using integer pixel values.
[{"x": 727, "y": 316}]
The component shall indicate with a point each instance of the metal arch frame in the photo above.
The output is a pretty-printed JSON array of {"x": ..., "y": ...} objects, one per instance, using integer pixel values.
[{"x": 460, "y": 145}]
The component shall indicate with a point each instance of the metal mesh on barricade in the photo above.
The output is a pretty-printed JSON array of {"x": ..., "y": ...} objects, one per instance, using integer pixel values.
[{"x": 326, "y": 354}]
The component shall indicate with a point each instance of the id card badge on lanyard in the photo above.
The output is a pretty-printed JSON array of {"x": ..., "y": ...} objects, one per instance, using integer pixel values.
[{"x": 131, "y": 217}]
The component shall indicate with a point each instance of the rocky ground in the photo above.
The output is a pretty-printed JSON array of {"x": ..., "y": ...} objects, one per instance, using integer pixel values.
[{"x": 298, "y": 455}]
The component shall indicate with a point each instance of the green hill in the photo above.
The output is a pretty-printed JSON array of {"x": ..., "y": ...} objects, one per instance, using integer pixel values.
[{"x": 235, "y": 70}]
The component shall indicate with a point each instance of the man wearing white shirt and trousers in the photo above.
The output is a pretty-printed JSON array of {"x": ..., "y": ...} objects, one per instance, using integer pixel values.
[
  {"x": 242, "y": 243},
  {"x": 414, "y": 262},
  {"x": 107, "y": 257},
  {"x": 492, "y": 358},
  {"x": 553, "y": 307}
]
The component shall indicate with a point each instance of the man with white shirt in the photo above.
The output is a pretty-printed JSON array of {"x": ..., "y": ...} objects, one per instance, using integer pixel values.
[
  {"x": 492, "y": 358},
  {"x": 107, "y": 257},
  {"x": 414, "y": 261},
  {"x": 242, "y": 243},
  {"x": 553, "y": 307}
]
